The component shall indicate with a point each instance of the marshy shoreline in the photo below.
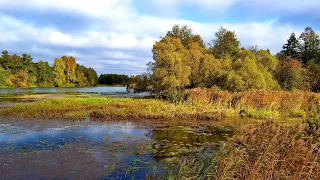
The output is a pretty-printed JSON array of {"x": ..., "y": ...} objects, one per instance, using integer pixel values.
[
  {"x": 199, "y": 104},
  {"x": 269, "y": 128}
]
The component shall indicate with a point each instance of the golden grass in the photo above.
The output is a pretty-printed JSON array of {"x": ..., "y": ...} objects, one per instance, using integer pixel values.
[
  {"x": 200, "y": 104},
  {"x": 271, "y": 151},
  {"x": 108, "y": 108},
  {"x": 260, "y": 104}
]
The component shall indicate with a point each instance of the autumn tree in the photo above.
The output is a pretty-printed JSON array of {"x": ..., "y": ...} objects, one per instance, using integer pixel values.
[
  {"x": 289, "y": 74},
  {"x": 313, "y": 75},
  {"x": 185, "y": 35},
  {"x": 58, "y": 72},
  {"x": 171, "y": 73},
  {"x": 70, "y": 70}
]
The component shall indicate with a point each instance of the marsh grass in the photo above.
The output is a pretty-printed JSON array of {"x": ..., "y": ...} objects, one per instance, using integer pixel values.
[
  {"x": 264, "y": 151},
  {"x": 199, "y": 104},
  {"x": 108, "y": 108},
  {"x": 259, "y": 104}
]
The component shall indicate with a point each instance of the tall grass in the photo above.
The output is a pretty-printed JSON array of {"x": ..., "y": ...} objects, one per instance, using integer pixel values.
[
  {"x": 259, "y": 104},
  {"x": 264, "y": 151},
  {"x": 271, "y": 151}
]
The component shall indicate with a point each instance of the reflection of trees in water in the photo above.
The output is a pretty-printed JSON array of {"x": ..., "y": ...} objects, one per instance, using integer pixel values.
[{"x": 182, "y": 141}]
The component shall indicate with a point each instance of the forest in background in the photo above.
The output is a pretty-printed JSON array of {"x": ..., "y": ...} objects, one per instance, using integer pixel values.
[
  {"x": 113, "y": 79},
  {"x": 183, "y": 61},
  {"x": 20, "y": 72}
]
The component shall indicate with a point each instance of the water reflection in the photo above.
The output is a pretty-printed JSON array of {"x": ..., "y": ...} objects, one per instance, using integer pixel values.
[{"x": 111, "y": 150}]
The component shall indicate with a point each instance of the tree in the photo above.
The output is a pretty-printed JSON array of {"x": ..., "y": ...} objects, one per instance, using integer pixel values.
[
  {"x": 291, "y": 48},
  {"x": 225, "y": 44},
  {"x": 82, "y": 79},
  {"x": 4, "y": 78},
  {"x": 212, "y": 72},
  {"x": 58, "y": 72},
  {"x": 186, "y": 35},
  {"x": 114, "y": 79},
  {"x": 313, "y": 76},
  {"x": 44, "y": 73},
  {"x": 309, "y": 46},
  {"x": 289, "y": 74},
  {"x": 193, "y": 58},
  {"x": 4, "y": 59},
  {"x": 171, "y": 74},
  {"x": 92, "y": 76},
  {"x": 70, "y": 70},
  {"x": 267, "y": 60}
]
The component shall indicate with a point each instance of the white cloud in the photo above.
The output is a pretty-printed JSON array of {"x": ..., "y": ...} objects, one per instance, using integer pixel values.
[
  {"x": 217, "y": 5},
  {"x": 92, "y": 7},
  {"x": 119, "y": 38}
]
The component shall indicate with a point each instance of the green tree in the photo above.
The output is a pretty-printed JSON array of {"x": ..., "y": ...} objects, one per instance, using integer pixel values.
[
  {"x": 58, "y": 73},
  {"x": 225, "y": 44},
  {"x": 81, "y": 77},
  {"x": 45, "y": 73},
  {"x": 291, "y": 48},
  {"x": 92, "y": 76},
  {"x": 212, "y": 72},
  {"x": 4, "y": 78},
  {"x": 4, "y": 59},
  {"x": 267, "y": 59},
  {"x": 309, "y": 47}
]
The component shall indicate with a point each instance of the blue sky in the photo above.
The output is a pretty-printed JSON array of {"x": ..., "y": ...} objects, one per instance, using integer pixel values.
[{"x": 116, "y": 36}]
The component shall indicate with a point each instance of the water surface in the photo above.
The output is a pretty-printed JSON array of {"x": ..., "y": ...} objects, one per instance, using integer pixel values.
[
  {"x": 95, "y": 150},
  {"x": 100, "y": 89}
]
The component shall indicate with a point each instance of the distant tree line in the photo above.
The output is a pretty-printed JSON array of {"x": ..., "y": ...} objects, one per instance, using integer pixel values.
[
  {"x": 114, "y": 79},
  {"x": 20, "y": 71},
  {"x": 182, "y": 60}
]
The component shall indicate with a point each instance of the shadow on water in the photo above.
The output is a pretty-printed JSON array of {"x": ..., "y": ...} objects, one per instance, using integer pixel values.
[{"x": 110, "y": 150}]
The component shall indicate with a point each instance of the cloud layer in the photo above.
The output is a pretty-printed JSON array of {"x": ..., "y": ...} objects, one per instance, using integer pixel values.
[{"x": 117, "y": 36}]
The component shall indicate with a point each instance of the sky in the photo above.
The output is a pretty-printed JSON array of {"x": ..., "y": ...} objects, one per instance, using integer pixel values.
[{"x": 116, "y": 36}]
